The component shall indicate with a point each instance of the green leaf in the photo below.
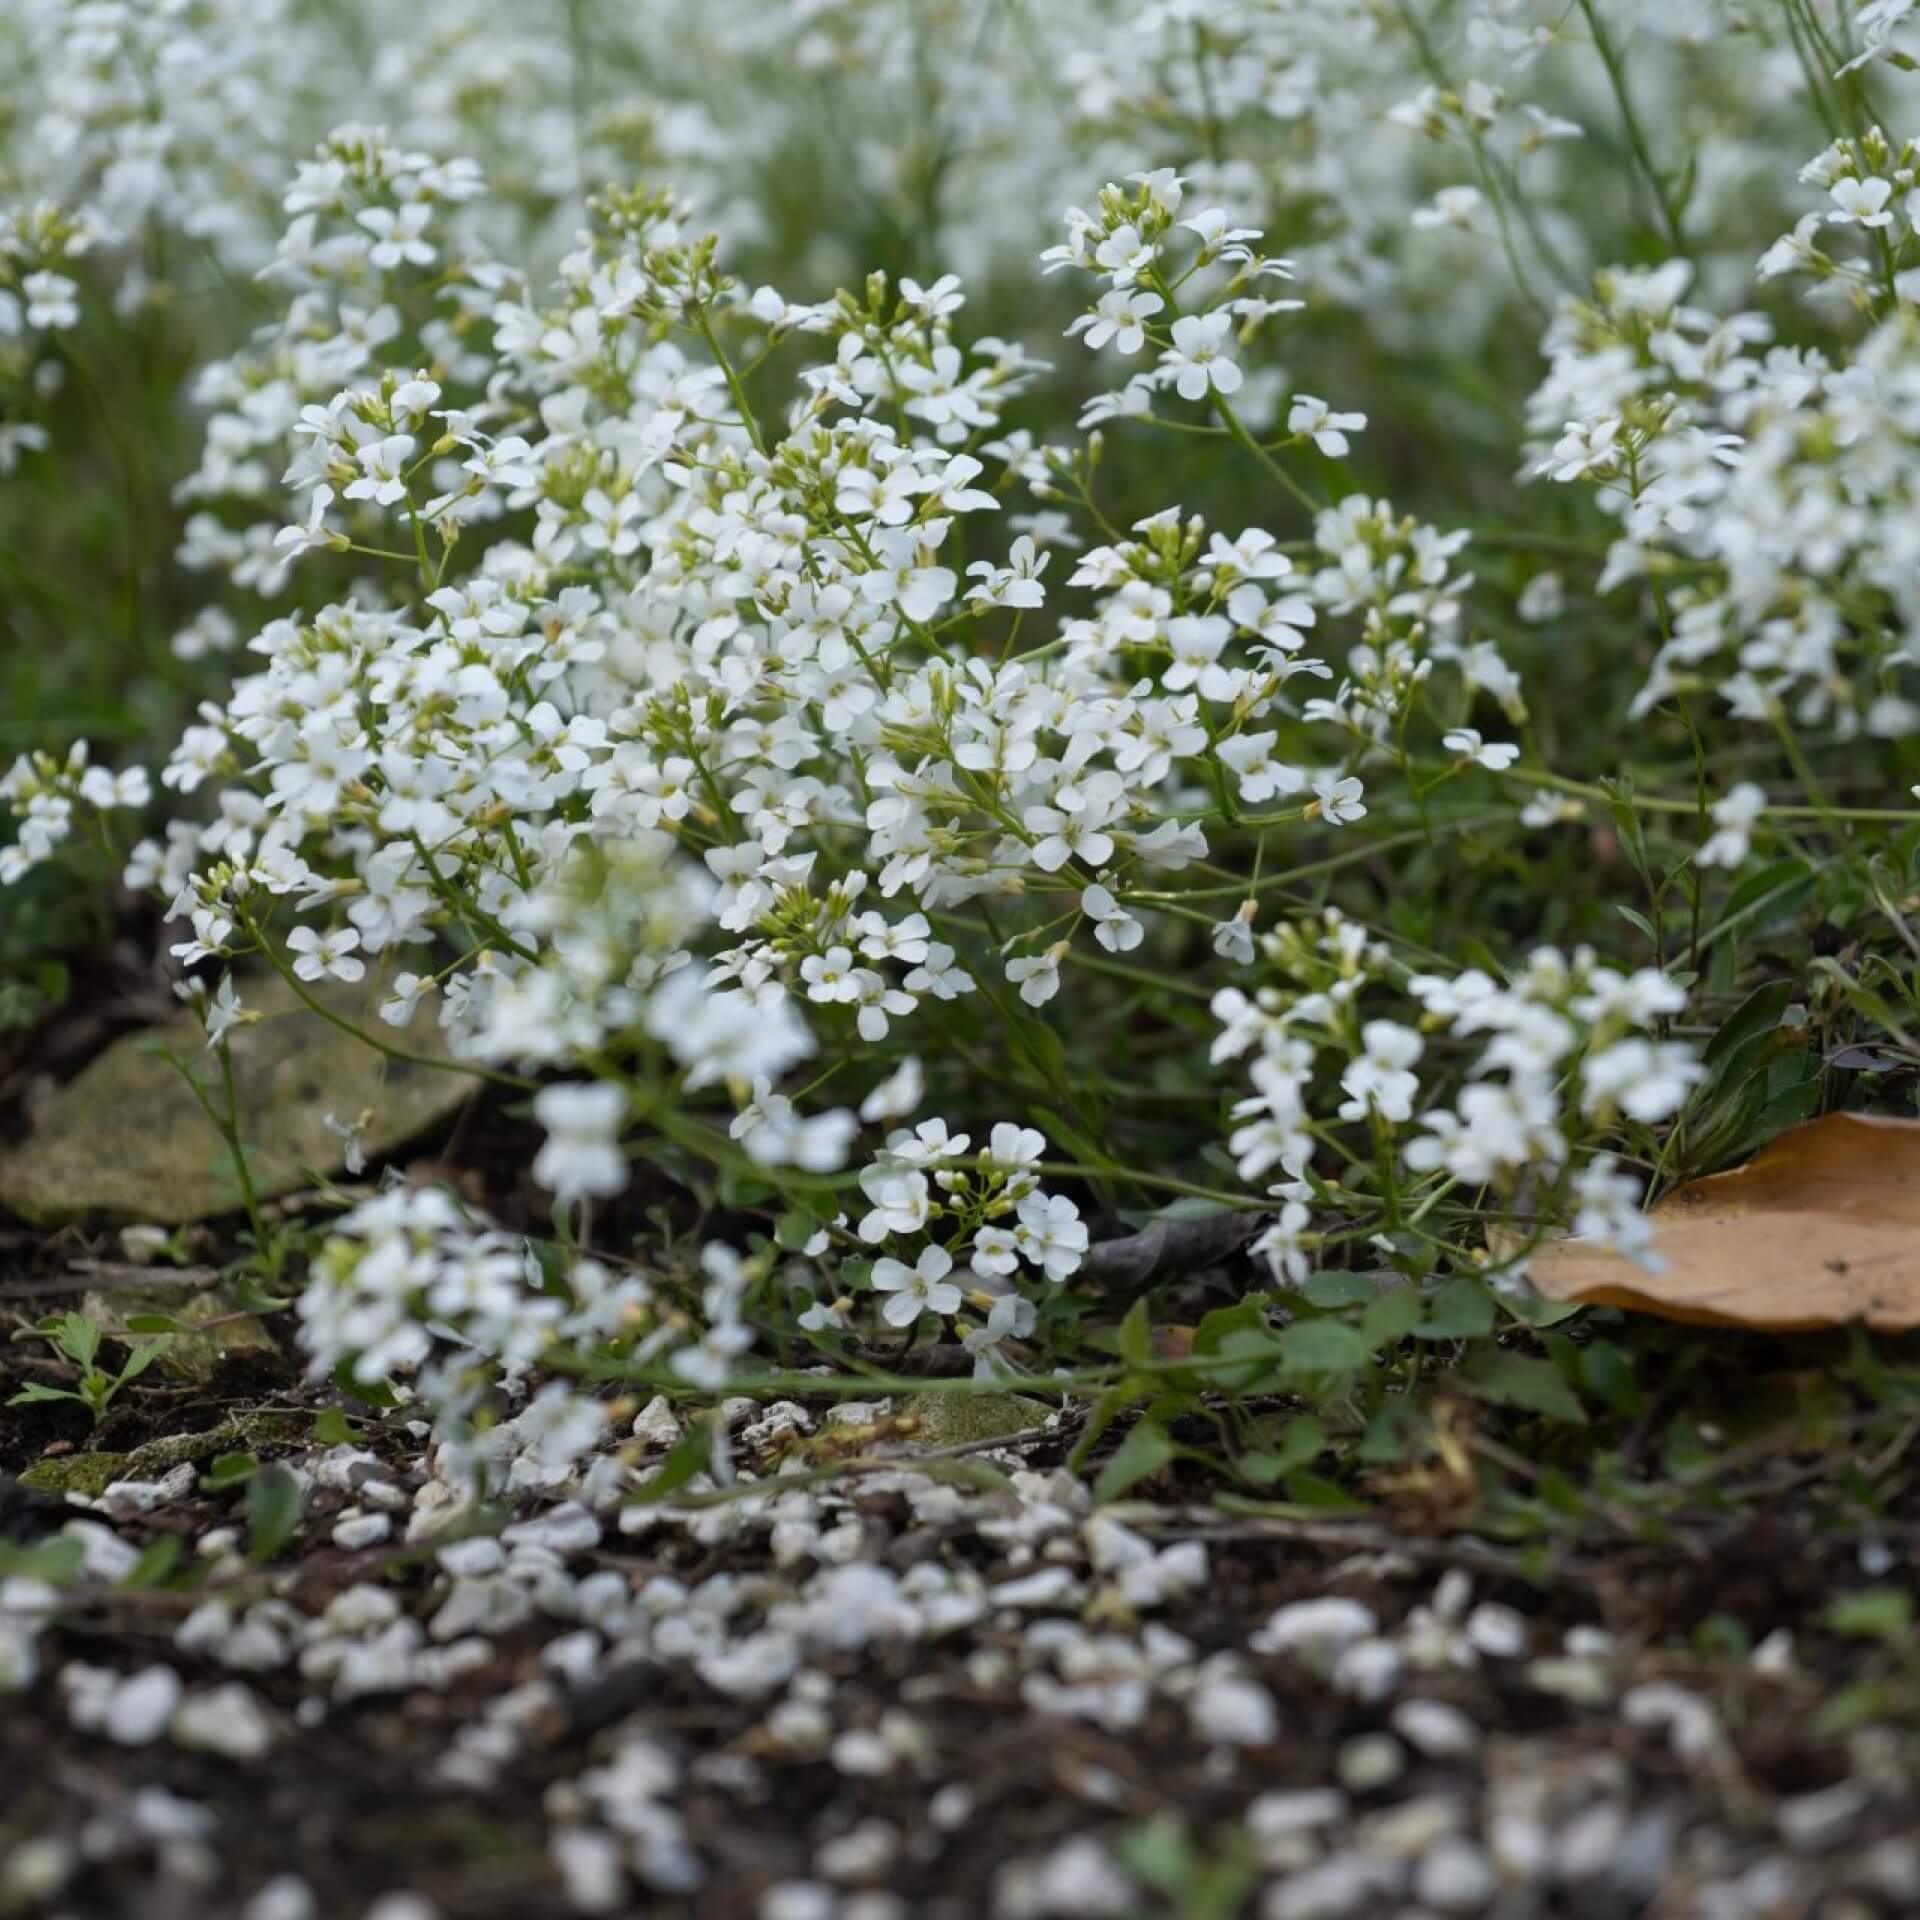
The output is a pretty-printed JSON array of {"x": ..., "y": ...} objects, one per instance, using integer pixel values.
[
  {"x": 1322, "y": 1346},
  {"x": 1160, "y": 1854},
  {"x": 333, "y": 1428},
  {"x": 250, "y": 1296},
  {"x": 1517, "y": 1380},
  {"x": 142, "y": 1356},
  {"x": 58, "y": 1562},
  {"x": 1106, "y": 1410},
  {"x": 1331, "y": 1290},
  {"x": 1853, "y": 1707},
  {"x": 688, "y": 1457},
  {"x": 1315, "y": 1490},
  {"x": 33, "y": 1393},
  {"x": 794, "y": 1229},
  {"x": 1874, "y": 1613},
  {"x": 1145, "y": 1450},
  {"x": 1639, "y": 921},
  {"x": 1756, "y": 1017},
  {"x": 1775, "y": 893},
  {"x": 1134, "y": 1339},
  {"x": 229, "y": 1470},
  {"x": 1303, "y": 1440},
  {"x": 274, "y": 1503},
  {"x": 370, "y": 1393},
  {"x": 156, "y": 1323},
  {"x": 1463, "y": 1309},
  {"x": 77, "y": 1336},
  {"x": 1607, "y": 1373},
  {"x": 1392, "y": 1316},
  {"x": 159, "y": 1559},
  {"x": 1211, "y": 1335},
  {"x": 1392, "y": 1434}
]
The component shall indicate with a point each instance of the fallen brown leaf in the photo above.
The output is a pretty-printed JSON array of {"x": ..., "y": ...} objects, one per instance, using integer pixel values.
[{"x": 1821, "y": 1227}]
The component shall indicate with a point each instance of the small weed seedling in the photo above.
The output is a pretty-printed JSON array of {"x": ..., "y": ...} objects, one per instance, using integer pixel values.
[{"x": 77, "y": 1338}]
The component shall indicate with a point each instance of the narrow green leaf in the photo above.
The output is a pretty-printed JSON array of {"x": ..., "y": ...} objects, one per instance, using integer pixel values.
[
  {"x": 1145, "y": 1450},
  {"x": 274, "y": 1503},
  {"x": 688, "y": 1457}
]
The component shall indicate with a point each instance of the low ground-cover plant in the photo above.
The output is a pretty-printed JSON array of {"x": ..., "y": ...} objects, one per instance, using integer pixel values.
[{"x": 935, "y": 795}]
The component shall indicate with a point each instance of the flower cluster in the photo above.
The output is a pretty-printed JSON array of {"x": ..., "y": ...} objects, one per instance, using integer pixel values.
[
  {"x": 752, "y": 714},
  {"x": 1566, "y": 1055}
]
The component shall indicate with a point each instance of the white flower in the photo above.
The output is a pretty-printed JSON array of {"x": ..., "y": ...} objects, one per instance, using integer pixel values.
[
  {"x": 1119, "y": 320},
  {"x": 1113, "y": 926},
  {"x": 1337, "y": 798},
  {"x": 131, "y": 787},
  {"x": 1050, "y": 1233},
  {"x": 902, "y": 1203},
  {"x": 898, "y": 1095},
  {"x": 581, "y": 1154},
  {"x": 400, "y": 1005},
  {"x": 328, "y": 956},
  {"x": 1861, "y": 202},
  {"x": 1309, "y": 416},
  {"x": 382, "y": 470},
  {"x": 1495, "y": 755},
  {"x": 1380, "y": 1079},
  {"x": 831, "y": 977},
  {"x": 922, "y": 1287},
  {"x": 398, "y": 236},
  {"x": 1609, "y": 1212},
  {"x": 1233, "y": 937},
  {"x": 1037, "y": 976},
  {"x": 1734, "y": 816},
  {"x": 52, "y": 301},
  {"x": 1451, "y": 207},
  {"x": 1647, "y": 1080},
  {"x": 1197, "y": 361},
  {"x": 1283, "y": 1243}
]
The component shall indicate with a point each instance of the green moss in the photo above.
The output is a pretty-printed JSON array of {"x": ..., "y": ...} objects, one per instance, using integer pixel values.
[{"x": 90, "y": 1474}]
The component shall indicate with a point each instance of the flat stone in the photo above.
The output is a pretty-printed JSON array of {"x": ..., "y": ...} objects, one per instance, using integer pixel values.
[
  {"x": 957, "y": 1419},
  {"x": 193, "y": 1359},
  {"x": 125, "y": 1140}
]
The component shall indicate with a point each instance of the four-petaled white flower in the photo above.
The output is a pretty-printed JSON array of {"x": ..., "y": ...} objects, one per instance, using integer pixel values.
[
  {"x": 1337, "y": 798},
  {"x": 920, "y": 1288},
  {"x": 1861, "y": 202},
  {"x": 1197, "y": 362},
  {"x": 1119, "y": 320},
  {"x": 326, "y": 956},
  {"x": 1310, "y": 417},
  {"x": 1495, "y": 755},
  {"x": 581, "y": 1155}
]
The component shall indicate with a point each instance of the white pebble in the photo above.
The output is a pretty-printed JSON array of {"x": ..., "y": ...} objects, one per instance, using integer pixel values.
[
  {"x": 1318, "y": 1631},
  {"x": 226, "y": 1720},
  {"x": 1813, "y": 1822},
  {"x": 1497, "y": 1631},
  {"x": 1339, "y": 1886},
  {"x": 356, "y": 1530},
  {"x": 798, "y": 1900},
  {"x": 1455, "y": 1876},
  {"x": 286, "y": 1897},
  {"x": 1234, "y": 1710},
  {"x": 1369, "y": 1761},
  {"x": 1432, "y": 1727}
]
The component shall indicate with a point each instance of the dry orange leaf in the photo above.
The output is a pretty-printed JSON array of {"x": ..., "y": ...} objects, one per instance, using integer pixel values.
[{"x": 1821, "y": 1227}]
